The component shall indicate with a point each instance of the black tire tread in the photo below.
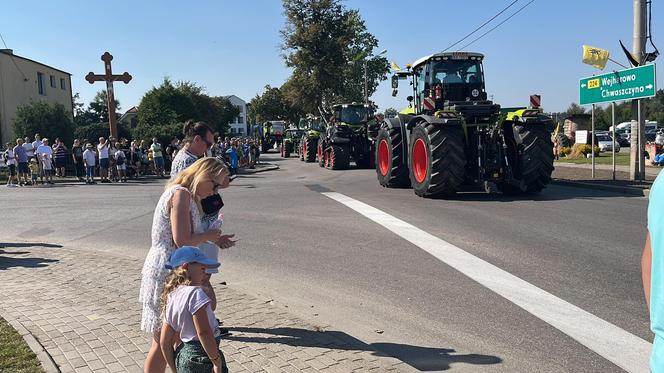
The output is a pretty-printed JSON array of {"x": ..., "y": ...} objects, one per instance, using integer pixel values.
[
  {"x": 448, "y": 161},
  {"x": 398, "y": 173}
]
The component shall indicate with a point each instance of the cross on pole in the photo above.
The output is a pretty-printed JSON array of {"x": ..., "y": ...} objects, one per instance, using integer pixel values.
[{"x": 109, "y": 78}]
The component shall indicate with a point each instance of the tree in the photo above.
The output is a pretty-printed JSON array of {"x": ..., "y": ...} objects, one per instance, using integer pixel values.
[
  {"x": 164, "y": 109},
  {"x": 326, "y": 45},
  {"x": 575, "y": 109},
  {"x": 99, "y": 107},
  {"x": 272, "y": 105},
  {"x": 49, "y": 120},
  {"x": 391, "y": 112}
]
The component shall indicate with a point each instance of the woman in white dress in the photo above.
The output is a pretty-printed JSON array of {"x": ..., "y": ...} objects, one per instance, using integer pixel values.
[{"x": 178, "y": 222}]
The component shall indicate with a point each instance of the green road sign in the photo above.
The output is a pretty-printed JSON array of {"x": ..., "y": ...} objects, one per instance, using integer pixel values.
[{"x": 627, "y": 84}]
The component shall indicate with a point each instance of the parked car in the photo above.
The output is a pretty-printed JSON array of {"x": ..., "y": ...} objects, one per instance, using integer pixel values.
[{"x": 605, "y": 143}]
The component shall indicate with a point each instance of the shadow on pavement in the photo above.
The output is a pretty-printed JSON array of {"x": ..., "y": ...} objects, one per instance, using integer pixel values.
[
  {"x": 421, "y": 358},
  {"x": 8, "y": 262},
  {"x": 28, "y": 244}
]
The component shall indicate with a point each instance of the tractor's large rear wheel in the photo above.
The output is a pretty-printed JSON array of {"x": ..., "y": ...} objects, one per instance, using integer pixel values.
[
  {"x": 288, "y": 148},
  {"x": 300, "y": 150},
  {"x": 309, "y": 149},
  {"x": 390, "y": 166},
  {"x": 320, "y": 154},
  {"x": 535, "y": 163},
  {"x": 437, "y": 159},
  {"x": 339, "y": 159}
]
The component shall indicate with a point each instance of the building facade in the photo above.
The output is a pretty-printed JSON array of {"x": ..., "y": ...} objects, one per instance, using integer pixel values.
[
  {"x": 23, "y": 81},
  {"x": 239, "y": 126}
]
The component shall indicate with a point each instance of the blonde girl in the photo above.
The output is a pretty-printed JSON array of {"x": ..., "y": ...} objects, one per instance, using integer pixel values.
[
  {"x": 177, "y": 222},
  {"x": 188, "y": 316}
]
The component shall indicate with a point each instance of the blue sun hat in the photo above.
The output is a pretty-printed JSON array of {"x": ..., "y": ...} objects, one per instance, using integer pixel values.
[{"x": 190, "y": 254}]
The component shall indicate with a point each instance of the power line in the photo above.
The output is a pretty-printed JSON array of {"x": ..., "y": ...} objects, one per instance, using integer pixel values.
[
  {"x": 482, "y": 25},
  {"x": 498, "y": 25},
  {"x": 11, "y": 56}
]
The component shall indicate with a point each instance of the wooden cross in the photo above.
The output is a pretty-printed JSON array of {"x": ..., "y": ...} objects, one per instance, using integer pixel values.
[{"x": 109, "y": 78}]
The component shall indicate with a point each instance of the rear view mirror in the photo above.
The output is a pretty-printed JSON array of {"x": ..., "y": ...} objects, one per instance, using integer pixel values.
[
  {"x": 395, "y": 82},
  {"x": 409, "y": 98},
  {"x": 394, "y": 92}
]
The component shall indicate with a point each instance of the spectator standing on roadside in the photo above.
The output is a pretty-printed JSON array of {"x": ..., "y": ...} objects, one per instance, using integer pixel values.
[
  {"x": 60, "y": 157},
  {"x": 232, "y": 158},
  {"x": 171, "y": 150},
  {"x": 104, "y": 163},
  {"x": 45, "y": 155},
  {"x": 89, "y": 159},
  {"x": 22, "y": 162},
  {"x": 10, "y": 161},
  {"x": 34, "y": 171},
  {"x": 157, "y": 157},
  {"x": 35, "y": 145},
  {"x": 652, "y": 272},
  {"x": 29, "y": 150},
  {"x": 113, "y": 170},
  {"x": 120, "y": 163},
  {"x": 135, "y": 157},
  {"x": 198, "y": 138},
  {"x": 77, "y": 158}
]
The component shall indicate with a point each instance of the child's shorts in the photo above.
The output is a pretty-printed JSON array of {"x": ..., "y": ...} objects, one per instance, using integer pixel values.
[
  {"x": 121, "y": 167},
  {"x": 190, "y": 357},
  {"x": 12, "y": 169},
  {"x": 34, "y": 177}
]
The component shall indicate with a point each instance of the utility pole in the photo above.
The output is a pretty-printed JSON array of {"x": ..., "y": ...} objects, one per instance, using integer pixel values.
[{"x": 637, "y": 138}]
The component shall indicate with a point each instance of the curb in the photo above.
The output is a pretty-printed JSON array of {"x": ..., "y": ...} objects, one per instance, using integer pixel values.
[
  {"x": 44, "y": 358},
  {"x": 609, "y": 188}
]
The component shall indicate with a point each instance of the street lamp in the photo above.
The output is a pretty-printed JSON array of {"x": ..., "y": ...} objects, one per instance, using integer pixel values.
[{"x": 366, "y": 78}]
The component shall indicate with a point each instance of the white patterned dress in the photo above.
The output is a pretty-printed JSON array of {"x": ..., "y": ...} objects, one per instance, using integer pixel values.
[{"x": 154, "y": 269}]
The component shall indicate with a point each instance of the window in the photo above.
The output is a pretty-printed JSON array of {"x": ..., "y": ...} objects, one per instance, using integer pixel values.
[
  {"x": 240, "y": 130},
  {"x": 40, "y": 84},
  {"x": 52, "y": 81},
  {"x": 232, "y": 130},
  {"x": 240, "y": 120},
  {"x": 62, "y": 83}
]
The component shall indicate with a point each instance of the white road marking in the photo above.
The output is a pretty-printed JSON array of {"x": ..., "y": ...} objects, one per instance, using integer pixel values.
[{"x": 622, "y": 348}]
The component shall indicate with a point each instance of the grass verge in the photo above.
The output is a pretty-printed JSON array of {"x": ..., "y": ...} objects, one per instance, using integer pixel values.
[{"x": 15, "y": 355}]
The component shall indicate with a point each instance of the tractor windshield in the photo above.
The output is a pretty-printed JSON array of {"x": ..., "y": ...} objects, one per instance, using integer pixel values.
[
  {"x": 353, "y": 114},
  {"x": 457, "y": 72}
]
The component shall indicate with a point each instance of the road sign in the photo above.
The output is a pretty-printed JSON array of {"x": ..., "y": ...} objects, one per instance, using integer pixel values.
[
  {"x": 627, "y": 84},
  {"x": 535, "y": 101}
]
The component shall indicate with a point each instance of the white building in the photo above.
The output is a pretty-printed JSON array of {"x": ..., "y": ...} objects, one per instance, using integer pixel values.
[
  {"x": 23, "y": 80},
  {"x": 239, "y": 126}
]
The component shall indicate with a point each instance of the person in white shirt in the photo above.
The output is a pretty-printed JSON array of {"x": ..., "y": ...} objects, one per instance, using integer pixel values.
[
  {"x": 10, "y": 161},
  {"x": 120, "y": 163},
  {"x": 29, "y": 149},
  {"x": 188, "y": 312},
  {"x": 45, "y": 155},
  {"x": 89, "y": 161},
  {"x": 104, "y": 163}
]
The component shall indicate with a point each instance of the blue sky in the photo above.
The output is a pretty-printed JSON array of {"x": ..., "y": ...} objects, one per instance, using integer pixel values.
[{"x": 233, "y": 47}]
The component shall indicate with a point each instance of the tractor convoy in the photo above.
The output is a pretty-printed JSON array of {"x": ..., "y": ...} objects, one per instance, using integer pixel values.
[{"x": 448, "y": 139}]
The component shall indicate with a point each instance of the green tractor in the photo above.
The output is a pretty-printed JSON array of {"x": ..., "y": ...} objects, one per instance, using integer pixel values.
[
  {"x": 291, "y": 142},
  {"x": 451, "y": 136},
  {"x": 312, "y": 127},
  {"x": 349, "y": 136}
]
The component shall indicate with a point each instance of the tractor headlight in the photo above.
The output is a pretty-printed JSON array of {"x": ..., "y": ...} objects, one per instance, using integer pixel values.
[{"x": 475, "y": 93}]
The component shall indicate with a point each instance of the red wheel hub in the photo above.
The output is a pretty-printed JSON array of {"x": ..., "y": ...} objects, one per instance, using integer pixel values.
[
  {"x": 420, "y": 160},
  {"x": 383, "y": 157}
]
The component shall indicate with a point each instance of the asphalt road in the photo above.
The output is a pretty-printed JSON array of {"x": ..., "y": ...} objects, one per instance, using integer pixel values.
[{"x": 329, "y": 264}]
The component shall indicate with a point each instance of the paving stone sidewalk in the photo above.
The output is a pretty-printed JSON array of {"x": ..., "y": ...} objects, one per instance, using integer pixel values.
[{"x": 82, "y": 307}]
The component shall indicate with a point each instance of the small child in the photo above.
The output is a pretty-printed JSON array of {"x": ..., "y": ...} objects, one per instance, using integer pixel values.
[
  {"x": 187, "y": 311},
  {"x": 89, "y": 161},
  {"x": 34, "y": 171},
  {"x": 120, "y": 163}
]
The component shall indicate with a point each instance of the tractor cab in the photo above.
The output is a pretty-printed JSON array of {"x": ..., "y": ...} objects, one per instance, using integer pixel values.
[
  {"x": 452, "y": 81},
  {"x": 353, "y": 115}
]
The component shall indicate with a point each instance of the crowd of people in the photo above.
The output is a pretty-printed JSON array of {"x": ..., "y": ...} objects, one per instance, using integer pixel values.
[{"x": 111, "y": 160}]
